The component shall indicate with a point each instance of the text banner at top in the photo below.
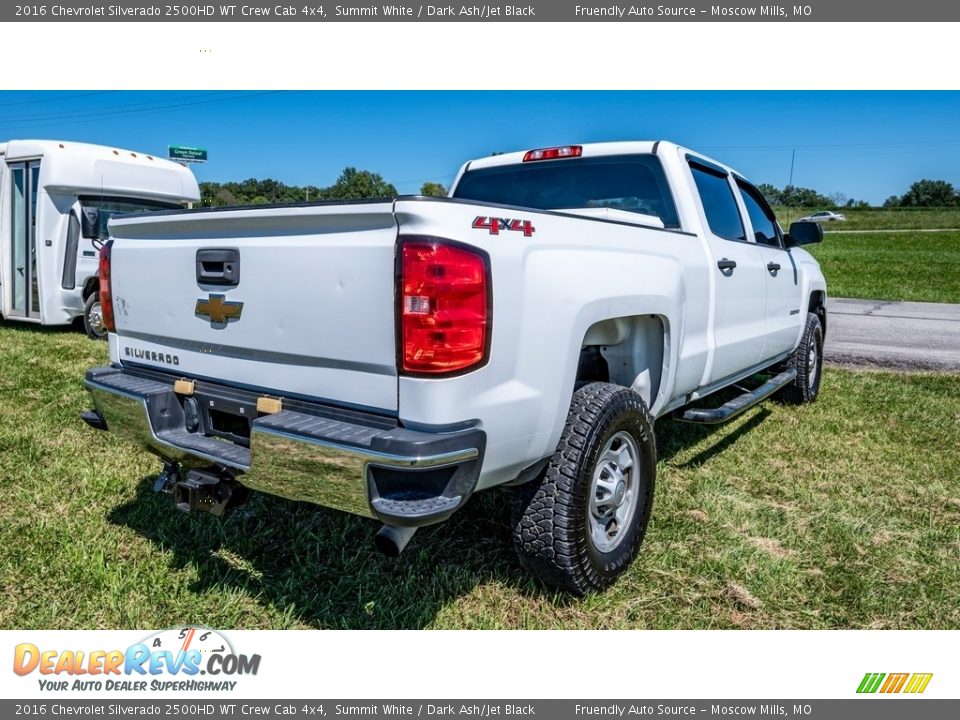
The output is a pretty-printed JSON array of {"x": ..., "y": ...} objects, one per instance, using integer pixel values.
[{"x": 537, "y": 11}]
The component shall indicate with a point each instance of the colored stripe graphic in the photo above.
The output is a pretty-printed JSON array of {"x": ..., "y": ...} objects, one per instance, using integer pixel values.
[
  {"x": 870, "y": 683},
  {"x": 918, "y": 682},
  {"x": 894, "y": 683}
]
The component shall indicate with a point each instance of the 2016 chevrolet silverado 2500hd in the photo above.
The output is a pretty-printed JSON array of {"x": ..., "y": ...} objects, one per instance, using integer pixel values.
[{"x": 391, "y": 358}]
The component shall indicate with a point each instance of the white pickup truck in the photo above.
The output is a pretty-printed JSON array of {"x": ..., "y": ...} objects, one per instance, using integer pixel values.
[{"x": 390, "y": 358}]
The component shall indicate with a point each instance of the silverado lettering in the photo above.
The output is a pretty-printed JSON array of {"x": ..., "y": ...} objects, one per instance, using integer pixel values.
[{"x": 152, "y": 355}]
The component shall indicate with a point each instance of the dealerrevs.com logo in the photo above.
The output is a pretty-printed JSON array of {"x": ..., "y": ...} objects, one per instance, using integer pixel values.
[{"x": 181, "y": 659}]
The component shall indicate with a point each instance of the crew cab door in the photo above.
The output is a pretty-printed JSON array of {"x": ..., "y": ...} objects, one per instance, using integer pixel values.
[
  {"x": 739, "y": 274},
  {"x": 784, "y": 310}
]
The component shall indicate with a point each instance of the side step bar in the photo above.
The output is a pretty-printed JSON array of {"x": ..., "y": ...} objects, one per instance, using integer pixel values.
[{"x": 729, "y": 410}]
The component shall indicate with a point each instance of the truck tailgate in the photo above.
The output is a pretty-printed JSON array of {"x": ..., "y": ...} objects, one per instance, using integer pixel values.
[{"x": 316, "y": 285}]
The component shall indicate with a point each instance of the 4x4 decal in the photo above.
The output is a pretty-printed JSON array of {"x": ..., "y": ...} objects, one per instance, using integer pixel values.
[{"x": 494, "y": 225}]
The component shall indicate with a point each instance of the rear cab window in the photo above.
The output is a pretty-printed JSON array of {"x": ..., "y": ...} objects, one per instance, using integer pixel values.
[{"x": 634, "y": 183}]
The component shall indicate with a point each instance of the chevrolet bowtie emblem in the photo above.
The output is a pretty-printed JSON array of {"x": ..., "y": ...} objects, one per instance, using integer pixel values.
[{"x": 218, "y": 310}]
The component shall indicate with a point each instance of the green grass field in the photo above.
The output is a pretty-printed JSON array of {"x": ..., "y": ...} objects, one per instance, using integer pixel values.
[
  {"x": 842, "y": 514},
  {"x": 892, "y": 266}
]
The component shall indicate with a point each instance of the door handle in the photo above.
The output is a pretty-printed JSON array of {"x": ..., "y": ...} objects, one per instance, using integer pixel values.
[
  {"x": 726, "y": 266},
  {"x": 773, "y": 267}
]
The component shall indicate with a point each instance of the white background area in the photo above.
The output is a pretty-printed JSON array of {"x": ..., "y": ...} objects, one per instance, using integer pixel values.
[
  {"x": 511, "y": 664},
  {"x": 461, "y": 56}
]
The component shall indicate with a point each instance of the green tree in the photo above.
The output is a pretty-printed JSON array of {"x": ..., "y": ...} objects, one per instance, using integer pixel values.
[
  {"x": 930, "y": 193},
  {"x": 433, "y": 189},
  {"x": 773, "y": 195},
  {"x": 356, "y": 184},
  {"x": 793, "y": 196}
]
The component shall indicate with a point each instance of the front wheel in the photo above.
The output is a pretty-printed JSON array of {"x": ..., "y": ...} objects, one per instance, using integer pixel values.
[
  {"x": 93, "y": 318},
  {"x": 581, "y": 523},
  {"x": 808, "y": 361}
]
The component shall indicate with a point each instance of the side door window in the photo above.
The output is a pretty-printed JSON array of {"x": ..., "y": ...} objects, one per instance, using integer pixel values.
[
  {"x": 719, "y": 204},
  {"x": 764, "y": 222}
]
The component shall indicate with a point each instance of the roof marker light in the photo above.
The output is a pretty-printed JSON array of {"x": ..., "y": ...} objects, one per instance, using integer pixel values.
[{"x": 554, "y": 153}]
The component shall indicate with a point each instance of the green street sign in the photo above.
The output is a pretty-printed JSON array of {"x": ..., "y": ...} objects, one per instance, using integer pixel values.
[{"x": 187, "y": 154}]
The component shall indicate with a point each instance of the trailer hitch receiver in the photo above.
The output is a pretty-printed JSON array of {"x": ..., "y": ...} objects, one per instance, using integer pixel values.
[{"x": 209, "y": 491}]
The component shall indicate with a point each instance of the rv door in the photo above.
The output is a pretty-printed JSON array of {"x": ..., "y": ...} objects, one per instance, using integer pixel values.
[{"x": 23, "y": 277}]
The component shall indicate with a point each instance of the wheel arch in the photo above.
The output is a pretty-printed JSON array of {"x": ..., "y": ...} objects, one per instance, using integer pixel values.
[
  {"x": 818, "y": 305},
  {"x": 90, "y": 286},
  {"x": 634, "y": 350}
]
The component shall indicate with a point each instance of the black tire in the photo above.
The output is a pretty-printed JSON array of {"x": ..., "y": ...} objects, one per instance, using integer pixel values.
[
  {"x": 91, "y": 327},
  {"x": 552, "y": 532},
  {"x": 806, "y": 387}
]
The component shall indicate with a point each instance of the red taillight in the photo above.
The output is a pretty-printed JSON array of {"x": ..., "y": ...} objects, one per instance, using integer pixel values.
[
  {"x": 554, "y": 153},
  {"x": 444, "y": 306},
  {"x": 106, "y": 295}
]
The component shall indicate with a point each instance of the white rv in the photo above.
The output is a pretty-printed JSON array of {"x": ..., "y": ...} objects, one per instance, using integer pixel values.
[{"x": 55, "y": 200}]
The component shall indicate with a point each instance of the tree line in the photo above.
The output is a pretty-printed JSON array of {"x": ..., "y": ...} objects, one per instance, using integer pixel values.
[
  {"x": 354, "y": 184},
  {"x": 926, "y": 193},
  {"x": 923, "y": 193}
]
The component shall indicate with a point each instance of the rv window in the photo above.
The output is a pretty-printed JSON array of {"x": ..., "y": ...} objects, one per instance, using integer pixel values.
[
  {"x": 110, "y": 206},
  {"x": 69, "y": 281}
]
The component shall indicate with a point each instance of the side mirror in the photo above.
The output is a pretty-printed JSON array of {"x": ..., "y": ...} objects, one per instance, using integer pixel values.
[
  {"x": 90, "y": 223},
  {"x": 804, "y": 233}
]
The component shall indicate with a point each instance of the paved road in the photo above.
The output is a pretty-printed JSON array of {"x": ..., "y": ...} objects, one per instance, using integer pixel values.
[{"x": 895, "y": 335}]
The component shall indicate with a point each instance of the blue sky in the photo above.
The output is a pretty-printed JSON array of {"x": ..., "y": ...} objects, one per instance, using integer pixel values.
[{"x": 867, "y": 145}]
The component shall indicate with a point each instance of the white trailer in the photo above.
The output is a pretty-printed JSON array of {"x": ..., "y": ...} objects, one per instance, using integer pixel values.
[{"x": 55, "y": 200}]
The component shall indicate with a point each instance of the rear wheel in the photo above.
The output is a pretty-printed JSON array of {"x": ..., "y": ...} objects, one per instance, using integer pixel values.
[
  {"x": 93, "y": 318},
  {"x": 581, "y": 523},
  {"x": 808, "y": 361}
]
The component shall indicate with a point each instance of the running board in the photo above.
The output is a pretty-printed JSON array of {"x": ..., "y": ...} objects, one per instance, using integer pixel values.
[{"x": 729, "y": 410}]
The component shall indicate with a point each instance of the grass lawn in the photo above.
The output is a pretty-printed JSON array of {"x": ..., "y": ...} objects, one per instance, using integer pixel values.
[
  {"x": 843, "y": 514},
  {"x": 892, "y": 266}
]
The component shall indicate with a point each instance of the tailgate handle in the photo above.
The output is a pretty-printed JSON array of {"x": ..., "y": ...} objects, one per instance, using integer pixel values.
[{"x": 218, "y": 266}]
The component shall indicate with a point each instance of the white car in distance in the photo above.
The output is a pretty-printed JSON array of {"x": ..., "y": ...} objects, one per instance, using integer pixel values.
[{"x": 824, "y": 216}]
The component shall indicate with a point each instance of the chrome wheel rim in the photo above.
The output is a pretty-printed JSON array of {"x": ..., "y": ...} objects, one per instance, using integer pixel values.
[
  {"x": 95, "y": 318},
  {"x": 614, "y": 491},
  {"x": 812, "y": 365}
]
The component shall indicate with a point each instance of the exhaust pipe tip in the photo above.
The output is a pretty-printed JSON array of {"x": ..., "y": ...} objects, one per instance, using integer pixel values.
[{"x": 391, "y": 539}]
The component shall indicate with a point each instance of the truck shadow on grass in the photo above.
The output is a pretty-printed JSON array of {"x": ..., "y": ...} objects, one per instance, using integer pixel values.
[
  {"x": 319, "y": 568},
  {"x": 75, "y": 328}
]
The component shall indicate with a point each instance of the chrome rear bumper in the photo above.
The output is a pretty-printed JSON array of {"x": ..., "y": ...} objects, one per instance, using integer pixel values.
[{"x": 362, "y": 464}]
